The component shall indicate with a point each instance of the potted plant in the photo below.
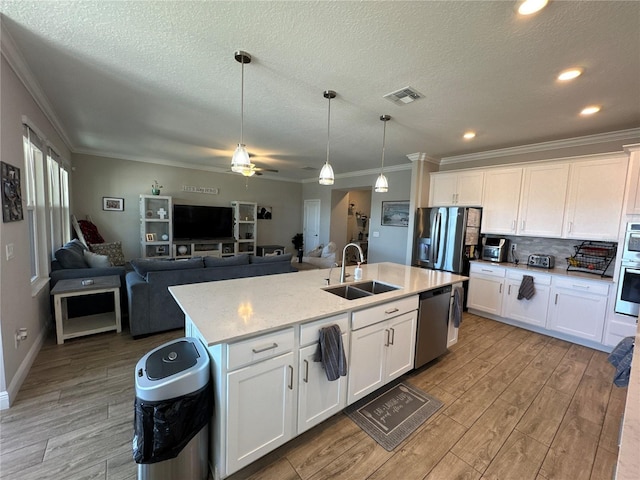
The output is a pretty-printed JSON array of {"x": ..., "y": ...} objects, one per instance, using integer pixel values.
[
  {"x": 297, "y": 244},
  {"x": 155, "y": 188}
]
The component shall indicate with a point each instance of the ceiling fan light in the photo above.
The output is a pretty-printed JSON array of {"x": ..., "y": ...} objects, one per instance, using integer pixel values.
[
  {"x": 382, "y": 185},
  {"x": 249, "y": 171},
  {"x": 326, "y": 175},
  {"x": 240, "y": 160}
]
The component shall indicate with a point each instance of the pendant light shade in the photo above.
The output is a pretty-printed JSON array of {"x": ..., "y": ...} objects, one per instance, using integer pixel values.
[
  {"x": 326, "y": 174},
  {"x": 382, "y": 185},
  {"x": 240, "y": 162}
]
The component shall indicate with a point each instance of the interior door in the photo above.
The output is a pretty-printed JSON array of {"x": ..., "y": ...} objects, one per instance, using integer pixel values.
[{"x": 311, "y": 224}]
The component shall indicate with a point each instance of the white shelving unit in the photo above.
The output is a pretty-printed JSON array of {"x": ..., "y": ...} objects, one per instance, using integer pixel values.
[
  {"x": 156, "y": 226},
  {"x": 244, "y": 226}
]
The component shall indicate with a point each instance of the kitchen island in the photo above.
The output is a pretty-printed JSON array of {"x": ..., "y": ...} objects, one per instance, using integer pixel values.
[{"x": 262, "y": 334}]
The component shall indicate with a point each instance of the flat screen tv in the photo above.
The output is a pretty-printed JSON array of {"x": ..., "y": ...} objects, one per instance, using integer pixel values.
[{"x": 197, "y": 222}]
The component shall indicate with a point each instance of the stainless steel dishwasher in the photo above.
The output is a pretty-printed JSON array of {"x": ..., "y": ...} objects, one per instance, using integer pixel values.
[{"x": 433, "y": 323}]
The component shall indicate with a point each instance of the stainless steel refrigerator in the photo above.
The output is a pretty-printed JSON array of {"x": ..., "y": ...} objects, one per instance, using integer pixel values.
[{"x": 446, "y": 238}]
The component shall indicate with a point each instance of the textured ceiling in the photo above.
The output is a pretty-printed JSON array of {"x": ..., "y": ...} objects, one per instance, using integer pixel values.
[{"x": 157, "y": 80}]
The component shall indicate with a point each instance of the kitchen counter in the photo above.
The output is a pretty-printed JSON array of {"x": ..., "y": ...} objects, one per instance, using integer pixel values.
[
  {"x": 230, "y": 310},
  {"x": 628, "y": 467},
  {"x": 558, "y": 270}
]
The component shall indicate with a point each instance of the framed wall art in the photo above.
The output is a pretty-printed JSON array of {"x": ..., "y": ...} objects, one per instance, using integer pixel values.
[
  {"x": 113, "y": 204},
  {"x": 150, "y": 237},
  {"x": 395, "y": 214},
  {"x": 264, "y": 213},
  {"x": 11, "y": 193}
]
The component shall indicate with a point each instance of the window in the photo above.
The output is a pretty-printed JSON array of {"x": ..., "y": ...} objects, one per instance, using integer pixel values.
[{"x": 47, "y": 203}]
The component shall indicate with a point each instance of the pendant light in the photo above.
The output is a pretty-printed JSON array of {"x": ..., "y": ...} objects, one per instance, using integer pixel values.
[
  {"x": 240, "y": 162},
  {"x": 382, "y": 185},
  {"x": 326, "y": 174}
]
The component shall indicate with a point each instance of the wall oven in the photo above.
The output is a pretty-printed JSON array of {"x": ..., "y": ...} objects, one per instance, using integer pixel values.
[{"x": 628, "y": 297}]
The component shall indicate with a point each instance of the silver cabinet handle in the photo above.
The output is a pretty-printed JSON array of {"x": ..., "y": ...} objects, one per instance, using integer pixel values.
[
  {"x": 393, "y": 336},
  {"x": 264, "y": 349},
  {"x": 386, "y": 343},
  {"x": 513, "y": 225},
  {"x": 290, "y": 377},
  {"x": 522, "y": 225},
  {"x": 556, "y": 300},
  {"x": 390, "y": 311},
  {"x": 306, "y": 372},
  {"x": 570, "y": 226},
  {"x": 500, "y": 290},
  {"x": 584, "y": 287},
  {"x": 509, "y": 292}
]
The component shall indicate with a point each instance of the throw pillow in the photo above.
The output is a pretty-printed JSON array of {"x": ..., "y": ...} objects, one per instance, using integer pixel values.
[
  {"x": 316, "y": 252},
  {"x": 90, "y": 232},
  {"x": 329, "y": 249},
  {"x": 145, "y": 265},
  {"x": 277, "y": 258},
  {"x": 96, "y": 261},
  {"x": 112, "y": 250},
  {"x": 226, "y": 261},
  {"x": 71, "y": 255}
]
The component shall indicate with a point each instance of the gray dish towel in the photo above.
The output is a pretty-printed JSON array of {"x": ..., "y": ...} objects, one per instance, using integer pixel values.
[
  {"x": 331, "y": 353},
  {"x": 458, "y": 296},
  {"x": 526, "y": 290},
  {"x": 620, "y": 357}
]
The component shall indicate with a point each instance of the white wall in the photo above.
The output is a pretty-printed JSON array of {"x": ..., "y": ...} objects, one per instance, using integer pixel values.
[
  {"x": 96, "y": 177},
  {"x": 19, "y": 306},
  {"x": 391, "y": 244}
]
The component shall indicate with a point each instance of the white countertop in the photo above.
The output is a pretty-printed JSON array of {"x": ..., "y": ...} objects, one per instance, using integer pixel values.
[
  {"x": 558, "y": 270},
  {"x": 628, "y": 459},
  {"x": 228, "y": 310}
]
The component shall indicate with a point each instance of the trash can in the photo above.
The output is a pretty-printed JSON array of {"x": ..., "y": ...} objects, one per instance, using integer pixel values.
[{"x": 173, "y": 407}]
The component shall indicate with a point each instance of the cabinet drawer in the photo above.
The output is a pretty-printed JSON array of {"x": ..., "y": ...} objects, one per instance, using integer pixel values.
[
  {"x": 310, "y": 332},
  {"x": 537, "y": 278},
  {"x": 595, "y": 288},
  {"x": 369, "y": 316},
  {"x": 487, "y": 269},
  {"x": 259, "y": 348}
]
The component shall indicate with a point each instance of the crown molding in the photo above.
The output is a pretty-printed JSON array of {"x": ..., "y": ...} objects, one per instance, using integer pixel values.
[
  {"x": 423, "y": 157},
  {"x": 18, "y": 64},
  {"x": 630, "y": 134}
]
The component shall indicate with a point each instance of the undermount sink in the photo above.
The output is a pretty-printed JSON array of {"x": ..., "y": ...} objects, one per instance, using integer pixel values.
[{"x": 361, "y": 290}]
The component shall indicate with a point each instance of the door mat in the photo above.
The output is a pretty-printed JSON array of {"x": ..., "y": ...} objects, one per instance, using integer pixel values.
[{"x": 392, "y": 415}]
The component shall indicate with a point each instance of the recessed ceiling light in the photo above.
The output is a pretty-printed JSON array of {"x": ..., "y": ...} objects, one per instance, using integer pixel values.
[
  {"x": 570, "y": 74},
  {"x": 529, "y": 7},
  {"x": 469, "y": 135},
  {"x": 590, "y": 110}
]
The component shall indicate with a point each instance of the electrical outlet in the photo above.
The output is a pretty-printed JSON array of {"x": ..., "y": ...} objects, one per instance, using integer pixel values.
[{"x": 513, "y": 247}]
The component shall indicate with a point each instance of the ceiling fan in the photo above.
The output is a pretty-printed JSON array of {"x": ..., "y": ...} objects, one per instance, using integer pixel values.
[{"x": 257, "y": 170}]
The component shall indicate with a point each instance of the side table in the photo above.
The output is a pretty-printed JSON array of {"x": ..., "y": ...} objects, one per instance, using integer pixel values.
[{"x": 78, "y": 326}]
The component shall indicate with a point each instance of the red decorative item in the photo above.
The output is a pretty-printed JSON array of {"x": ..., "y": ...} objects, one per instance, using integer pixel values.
[{"x": 90, "y": 232}]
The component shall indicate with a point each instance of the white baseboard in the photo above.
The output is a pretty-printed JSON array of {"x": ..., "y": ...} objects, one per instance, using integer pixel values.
[{"x": 8, "y": 396}]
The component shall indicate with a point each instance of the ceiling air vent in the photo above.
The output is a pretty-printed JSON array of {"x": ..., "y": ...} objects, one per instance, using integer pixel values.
[{"x": 404, "y": 95}]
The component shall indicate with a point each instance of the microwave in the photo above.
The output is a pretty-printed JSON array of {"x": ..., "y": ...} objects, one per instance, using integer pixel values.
[{"x": 495, "y": 249}]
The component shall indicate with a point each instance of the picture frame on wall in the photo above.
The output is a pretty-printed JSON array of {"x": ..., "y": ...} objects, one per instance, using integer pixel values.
[
  {"x": 11, "y": 193},
  {"x": 150, "y": 237},
  {"x": 264, "y": 213},
  {"x": 113, "y": 204},
  {"x": 395, "y": 214}
]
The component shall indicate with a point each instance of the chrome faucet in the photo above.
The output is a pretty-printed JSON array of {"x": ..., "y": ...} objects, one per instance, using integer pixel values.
[{"x": 344, "y": 251}]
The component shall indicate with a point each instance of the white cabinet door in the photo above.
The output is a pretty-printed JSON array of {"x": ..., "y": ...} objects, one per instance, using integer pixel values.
[
  {"x": 544, "y": 191},
  {"x": 532, "y": 311},
  {"x": 594, "y": 201},
  {"x": 578, "y": 308},
  {"x": 318, "y": 398},
  {"x": 456, "y": 188},
  {"x": 260, "y": 415},
  {"x": 500, "y": 200},
  {"x": 469, "y": 191},
  {"x": 400, "y": 351},
  {"x": 486, "y": 285},
  {"x": 442, "y": 190},
  {"x": 633, "y": 182},
  {"x": 367, "y": 369}
]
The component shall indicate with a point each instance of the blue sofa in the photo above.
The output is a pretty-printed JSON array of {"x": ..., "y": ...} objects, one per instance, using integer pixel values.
[{"x": 152, "y": 308}]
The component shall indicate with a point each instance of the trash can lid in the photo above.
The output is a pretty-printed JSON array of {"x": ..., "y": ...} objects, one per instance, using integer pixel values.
[{"x": 171, "y": 359}]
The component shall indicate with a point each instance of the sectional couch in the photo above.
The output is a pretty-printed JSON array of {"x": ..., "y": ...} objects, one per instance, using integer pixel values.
[{"x": 152, "y": 308}]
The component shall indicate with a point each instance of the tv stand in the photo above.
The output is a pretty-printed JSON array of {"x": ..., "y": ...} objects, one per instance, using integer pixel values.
[{"x": 203, "y": 248}]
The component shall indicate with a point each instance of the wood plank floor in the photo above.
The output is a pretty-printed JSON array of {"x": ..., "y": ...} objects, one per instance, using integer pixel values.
[{"x": 517, "y": 405}]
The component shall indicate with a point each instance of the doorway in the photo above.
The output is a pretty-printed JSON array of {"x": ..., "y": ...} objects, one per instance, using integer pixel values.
[
  {"x": 311, "y": 224},
  {"x": 350, "y": 212}
]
